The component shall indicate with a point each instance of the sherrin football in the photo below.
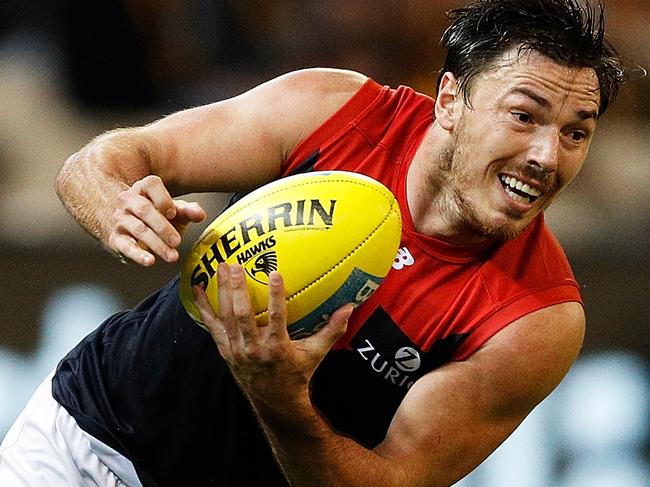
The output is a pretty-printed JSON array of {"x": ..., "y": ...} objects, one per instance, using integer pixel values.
[{"x": 332, "y": 235}]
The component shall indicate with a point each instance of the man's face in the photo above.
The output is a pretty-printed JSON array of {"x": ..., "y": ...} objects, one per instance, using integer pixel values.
[{"x": 523, "y": 140}]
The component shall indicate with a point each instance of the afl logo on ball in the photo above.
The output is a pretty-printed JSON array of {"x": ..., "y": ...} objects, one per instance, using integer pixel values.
[
  {"x": 407, "y": 359},
  {"x": 260, "y": 267}
]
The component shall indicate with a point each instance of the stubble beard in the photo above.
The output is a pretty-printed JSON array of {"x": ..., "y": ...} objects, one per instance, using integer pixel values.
[{"x": 461, "y": 213}]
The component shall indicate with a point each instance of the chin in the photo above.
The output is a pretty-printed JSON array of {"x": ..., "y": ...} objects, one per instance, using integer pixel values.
[
  {"x": 480, "y": 222},
  {"x": 497, "y": 228},
  {"x": 506, "y": 232},
  {"x": 507, "y": 229}
]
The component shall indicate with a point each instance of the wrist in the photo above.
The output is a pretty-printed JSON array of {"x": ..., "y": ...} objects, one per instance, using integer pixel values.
[{"x": 292, "y": 413}]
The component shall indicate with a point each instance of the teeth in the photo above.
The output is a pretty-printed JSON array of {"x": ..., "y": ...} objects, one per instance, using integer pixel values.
[
  {"x": 517, "y": 197},
  {"x": 520, "y": 186}
]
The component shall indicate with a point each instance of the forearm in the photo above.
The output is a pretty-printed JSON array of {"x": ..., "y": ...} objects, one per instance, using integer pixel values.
[
  {"x": 311, "y": 453},
  {"x": 91, "y": 179},
  {"x": 274, "y": 372}
]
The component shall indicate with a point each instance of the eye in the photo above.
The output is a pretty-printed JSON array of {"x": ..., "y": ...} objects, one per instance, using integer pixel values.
[
  {"x": 523, "y": 117},
  {"x": 578, "y": 136}
]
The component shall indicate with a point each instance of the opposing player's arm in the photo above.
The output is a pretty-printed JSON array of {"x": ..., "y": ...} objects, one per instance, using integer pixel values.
[
  {"x": 450, "y": 420},
  {"x": 120, "y": 186},
  {"x": 454, "y": 417}
]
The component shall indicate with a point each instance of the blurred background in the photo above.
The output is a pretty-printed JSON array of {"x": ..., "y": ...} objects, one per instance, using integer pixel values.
[{"x": 70, "y": 70}]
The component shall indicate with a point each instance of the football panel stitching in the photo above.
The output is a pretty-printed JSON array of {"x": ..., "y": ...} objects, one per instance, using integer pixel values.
[{"x": 350, "y": 254}]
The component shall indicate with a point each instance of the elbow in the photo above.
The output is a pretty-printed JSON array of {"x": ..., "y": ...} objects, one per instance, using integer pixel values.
[{"x": 63, "y": 177}]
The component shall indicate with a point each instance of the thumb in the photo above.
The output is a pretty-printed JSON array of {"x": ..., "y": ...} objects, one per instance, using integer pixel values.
[
  {"x": 186, "y": 213},
  {"x": 336, "y": 327},
  {"x": 190, "y": 211}
]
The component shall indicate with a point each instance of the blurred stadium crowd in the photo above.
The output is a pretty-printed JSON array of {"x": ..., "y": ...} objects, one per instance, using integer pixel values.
[{"x": 72, "y": 69}]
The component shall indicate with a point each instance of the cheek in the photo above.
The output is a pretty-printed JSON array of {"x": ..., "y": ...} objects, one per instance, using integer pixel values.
[
  {"x": 502, "y": 144},
  {"x": 568, "y": 169},
  {"x": 478, "y": 139},
  {"x": 499, "y": 141}
]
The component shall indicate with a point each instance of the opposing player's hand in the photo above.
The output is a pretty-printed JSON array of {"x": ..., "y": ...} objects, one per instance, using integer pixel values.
[
  {"x": 267, "y": 364},
  {"x": 148, "y": 222}
]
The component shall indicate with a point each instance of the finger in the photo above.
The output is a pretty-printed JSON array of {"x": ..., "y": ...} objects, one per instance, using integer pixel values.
[
  {"x": 226, "y": 315},
  {"x": 143, "y": 234},
  {"x": 277, "y": 309},
  {"x": 126, "y": 248},
  {"x": 186, "y": 213},
  {"x": 189, "y": 211},
  {"x": 209, "y": 320},
  {"x": 322, "y": 341},
  {"x": 154, "y": 189},
  {"x": 144, "y": 210},
  {"x": 241, "y": 305}
]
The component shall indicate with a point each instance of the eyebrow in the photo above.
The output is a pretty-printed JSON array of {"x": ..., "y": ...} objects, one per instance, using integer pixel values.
[
  {"x": 587, "y": 114},
  {"x": 540, "y": 100},
  {"x": 543, "y": 102}
]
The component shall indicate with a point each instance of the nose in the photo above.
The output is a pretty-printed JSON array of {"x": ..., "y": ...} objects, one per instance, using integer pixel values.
[{"x": 544, "y": 149}]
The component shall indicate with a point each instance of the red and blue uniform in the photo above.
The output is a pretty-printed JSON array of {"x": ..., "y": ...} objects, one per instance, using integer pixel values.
[{"x": 151, "y": 384}]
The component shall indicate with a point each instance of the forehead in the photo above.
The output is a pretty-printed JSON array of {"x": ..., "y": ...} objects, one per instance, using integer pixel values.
[{"x": 531, "y": 70}]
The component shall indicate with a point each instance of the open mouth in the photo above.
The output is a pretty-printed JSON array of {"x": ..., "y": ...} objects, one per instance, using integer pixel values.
[{"x": 518, "y": 190}]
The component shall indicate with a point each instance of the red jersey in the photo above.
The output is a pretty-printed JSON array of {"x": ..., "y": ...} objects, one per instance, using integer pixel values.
[
  {"x": 150, "y": 383},
  {"x": 440, "y": 301}
]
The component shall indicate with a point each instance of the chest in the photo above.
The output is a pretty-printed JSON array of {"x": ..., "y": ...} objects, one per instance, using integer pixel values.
[{"x": 424, "y": 301}]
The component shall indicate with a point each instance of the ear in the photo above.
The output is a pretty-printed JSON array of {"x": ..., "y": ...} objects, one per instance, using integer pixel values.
[{"x": 447, "y": 103}]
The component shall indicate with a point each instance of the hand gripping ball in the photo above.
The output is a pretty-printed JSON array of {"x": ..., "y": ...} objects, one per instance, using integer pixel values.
[{"x": 332, "y": 235}]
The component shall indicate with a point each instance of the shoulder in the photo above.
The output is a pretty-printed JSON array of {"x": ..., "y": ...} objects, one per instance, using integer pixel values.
[
  {"x": 300, "y": 101},
  {"x": 308, "y": 91},
  {"x": 328, "y": 82}
]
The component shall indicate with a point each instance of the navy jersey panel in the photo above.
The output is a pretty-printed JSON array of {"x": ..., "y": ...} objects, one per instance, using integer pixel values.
[{"x": 151, "y": 384}]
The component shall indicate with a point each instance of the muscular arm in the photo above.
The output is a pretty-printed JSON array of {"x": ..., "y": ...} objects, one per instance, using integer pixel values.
[
  {"x": 462, "y": 412},
  {"x": 120, "y": 186},
  {"x": 450, "y": 420}
]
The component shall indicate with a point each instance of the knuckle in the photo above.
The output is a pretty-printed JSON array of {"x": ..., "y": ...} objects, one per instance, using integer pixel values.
[
  {"x": 117, "y": 218},
  {"x": 276, "y": 354},
  {"x": 140, "y": 207},
  {"x": 123, "y": 197},
  {"x": 113, "y": 242},
  {"x": 254, "y": 352},
  {"x": 137, "y": 185},
  {"x": 165, "y": 232},
  {"x": 339, "y": 331},
  {"x": 151, "y": 180},
  {"x": 242, "y": 316},
  {"x": 239, "y": 355},
  {"x": 140, "y": 228},
  {"x": 276, "y": 315}
]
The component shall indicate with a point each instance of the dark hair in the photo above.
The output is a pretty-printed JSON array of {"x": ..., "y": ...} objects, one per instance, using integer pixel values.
[{"x": 571, "y": 32}]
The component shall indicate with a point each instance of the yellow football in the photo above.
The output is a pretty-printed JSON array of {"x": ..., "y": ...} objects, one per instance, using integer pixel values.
[{"x": 332, "y": 235}]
